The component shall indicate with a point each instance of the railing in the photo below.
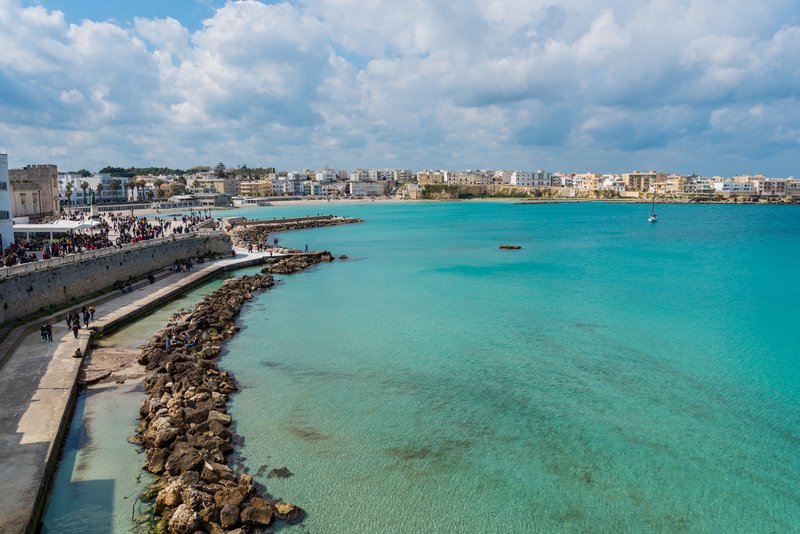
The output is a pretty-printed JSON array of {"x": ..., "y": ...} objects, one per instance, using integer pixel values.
[{"x": 44, "y": 265}]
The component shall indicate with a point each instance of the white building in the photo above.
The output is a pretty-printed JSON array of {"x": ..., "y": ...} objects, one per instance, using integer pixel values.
[
  {"x": 6, "y": 224},
  {"x": 521, "y": 178},
  {"x": 359, "y": 175},
  {"x": 729, "y": 186},
  {"x": 376, "y": 175},
  {"x": 326, "y": 175},
  {"x": 313, "y": 188},
  {"x": 366, "y": 189},
  {"x": 403, "y": 175}
]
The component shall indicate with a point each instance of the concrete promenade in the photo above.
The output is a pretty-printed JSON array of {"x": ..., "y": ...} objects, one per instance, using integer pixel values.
[{"x": 38, "y": 383}]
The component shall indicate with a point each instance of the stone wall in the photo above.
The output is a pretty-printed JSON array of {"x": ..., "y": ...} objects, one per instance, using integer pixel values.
[{"x": 26, "y": 294}]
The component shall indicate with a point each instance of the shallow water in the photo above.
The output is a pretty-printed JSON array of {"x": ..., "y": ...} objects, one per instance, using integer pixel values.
[{"x": 610, "y": 376}]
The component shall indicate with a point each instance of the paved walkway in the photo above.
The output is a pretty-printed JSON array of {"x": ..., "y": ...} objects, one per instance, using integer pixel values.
[{"x": 38, "y": 382}]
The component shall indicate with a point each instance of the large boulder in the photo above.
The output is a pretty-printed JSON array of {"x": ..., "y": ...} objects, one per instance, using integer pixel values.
[
  {"x": 214, "y": 472},
  {"x": 156, "y": 460},
  {"x": 184, "y": 458},
  {"x": 169, "y": 497},
  {"x": 258, "y": 514},
  {"x": 184, "y": 520},
  {"x": 288, "y": 512},
  {"x": 229, "y": 496},
  {"x": 228, "y": 516}
]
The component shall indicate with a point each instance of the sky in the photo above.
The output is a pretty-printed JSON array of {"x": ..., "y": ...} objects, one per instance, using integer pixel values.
[{"x": 685, "y": 86}]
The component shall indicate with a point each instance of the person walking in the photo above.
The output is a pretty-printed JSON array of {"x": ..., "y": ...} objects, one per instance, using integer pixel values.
[
  {"x": 69, "y": 319},
  {"x": 49, "y": 329},
  {"x": 86, "y": 317},
  {"x": 75, "y": 328},
  {"x": 91, "y": 311},
  {"x": 43, "y": 332}
]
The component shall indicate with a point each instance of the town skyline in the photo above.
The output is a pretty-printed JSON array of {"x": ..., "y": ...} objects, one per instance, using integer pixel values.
[{"x": 317, "y": 83}]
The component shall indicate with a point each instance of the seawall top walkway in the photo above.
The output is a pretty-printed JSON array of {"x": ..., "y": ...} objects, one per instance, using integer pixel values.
[{"x": 38, "y": 382}]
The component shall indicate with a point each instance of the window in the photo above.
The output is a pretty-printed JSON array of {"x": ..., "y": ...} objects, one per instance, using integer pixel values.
[
  {"x": 3, "y": 186},
  {"x": 4, "y": 215}
]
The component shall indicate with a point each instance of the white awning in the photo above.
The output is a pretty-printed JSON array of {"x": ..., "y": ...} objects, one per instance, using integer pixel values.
[{"x": 61, "y": 226}]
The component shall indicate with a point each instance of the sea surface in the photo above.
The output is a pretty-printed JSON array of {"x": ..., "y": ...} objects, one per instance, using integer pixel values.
[{"x": 610, "y": 376}]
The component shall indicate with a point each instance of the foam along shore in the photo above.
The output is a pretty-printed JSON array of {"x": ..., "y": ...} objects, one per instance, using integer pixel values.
[{"x": 184, "y": 424}]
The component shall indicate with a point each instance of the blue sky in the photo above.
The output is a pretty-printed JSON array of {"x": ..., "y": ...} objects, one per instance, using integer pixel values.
[{"x": 704, "y": 86}]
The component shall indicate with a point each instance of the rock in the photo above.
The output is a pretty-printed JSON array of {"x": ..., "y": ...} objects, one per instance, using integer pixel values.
[
  {"x": 228, "y": 516},
  {"x": 214, "y": 415},
  {"x": 229, "y": 496},
  {"x": 196, "y": 499},
  {"x": 169, "y": 497},
  {"x": 510, "y": 247},
  {"x": 144, "y": 409},
  {"x": 280, "y": 472},
  {"x": 156, "y": 460},
  {"x": 184, "y": 457},
  {"x": 288, "y": 512},
  {"x": 258, "y": 514},
  {"x": 214, "y": 472},
  {"x": 184, "y": 520}
]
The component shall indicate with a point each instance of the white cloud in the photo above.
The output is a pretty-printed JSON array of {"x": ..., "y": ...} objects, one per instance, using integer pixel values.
[{"x": 497, "y": 83}]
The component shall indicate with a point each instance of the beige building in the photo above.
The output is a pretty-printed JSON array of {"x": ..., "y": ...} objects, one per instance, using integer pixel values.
[
  {"x": 643, "y": 181},
  {"x": 34, "y": 191},
  {"x": 255, "y": 188},
  {"x": 430, "y": 177},
  {"x": 226, "y": 186}
]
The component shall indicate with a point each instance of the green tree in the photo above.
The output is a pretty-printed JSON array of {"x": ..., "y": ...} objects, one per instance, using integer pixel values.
[
  {"x": 99, "y": 190},
  {"x": 68, "y": 193},
  {"x": 220, "y": 171},
  {"x": 115, "y": 186},
  {"x": 84, "y": 186}
]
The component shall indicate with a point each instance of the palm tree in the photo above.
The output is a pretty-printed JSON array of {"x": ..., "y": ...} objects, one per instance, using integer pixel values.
[
  {"x": 99, "y": 190},
  {"x": 68, "y": 193},
  {"x": 131, "y": 185},
  {"x": 115, "y": 186},
  {"x": 84, "y": 186}
]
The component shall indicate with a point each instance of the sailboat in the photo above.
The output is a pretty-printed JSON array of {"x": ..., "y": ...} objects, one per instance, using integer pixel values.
[{"x": 653, "y": 217}]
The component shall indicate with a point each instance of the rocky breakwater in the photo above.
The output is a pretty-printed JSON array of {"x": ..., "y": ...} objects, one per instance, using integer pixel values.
[
  {"x": 258, "y": 231},
  {"x": 295, "y": 263},
  {"x": 185, "y": 428}
]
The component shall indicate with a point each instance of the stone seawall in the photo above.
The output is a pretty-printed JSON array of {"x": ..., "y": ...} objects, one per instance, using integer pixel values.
[{"x": 64, "y": 285}]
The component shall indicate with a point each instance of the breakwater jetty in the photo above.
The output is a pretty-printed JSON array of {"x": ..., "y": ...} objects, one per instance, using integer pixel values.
[
  {"x": 184, "y": 426},
  {"x": 245, "y": 232}
]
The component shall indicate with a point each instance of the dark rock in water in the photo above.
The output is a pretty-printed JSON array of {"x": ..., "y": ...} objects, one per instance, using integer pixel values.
[
  {"x": 510, "y": 247},
  {"x": 343, "y": 257},
  {"x": 288, "y": 512},
  {"x": 280, "y": 472}
]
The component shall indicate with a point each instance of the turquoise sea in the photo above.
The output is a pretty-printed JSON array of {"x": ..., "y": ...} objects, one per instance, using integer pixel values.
[{"x": 610, "y": 376}]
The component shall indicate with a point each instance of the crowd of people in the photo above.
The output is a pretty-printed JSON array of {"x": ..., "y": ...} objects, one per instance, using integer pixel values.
[{"x": 113, "y": 230}]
